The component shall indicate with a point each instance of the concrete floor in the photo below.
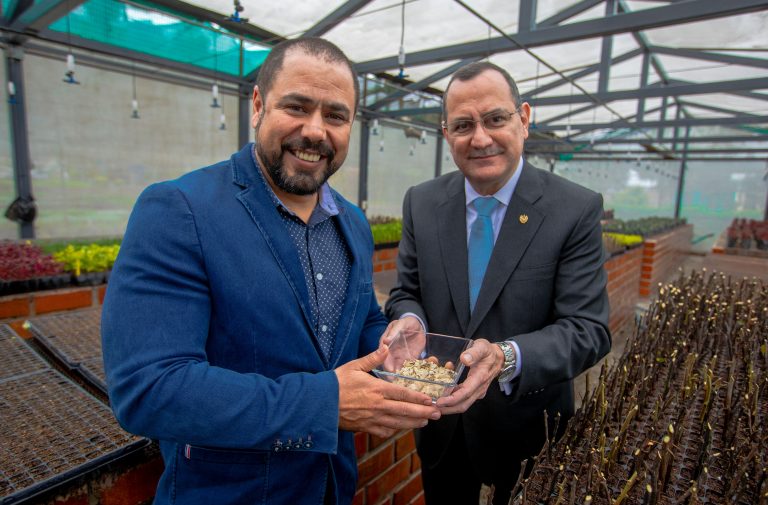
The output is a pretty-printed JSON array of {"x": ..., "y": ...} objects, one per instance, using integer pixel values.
[{"x": 736, "y": 266}]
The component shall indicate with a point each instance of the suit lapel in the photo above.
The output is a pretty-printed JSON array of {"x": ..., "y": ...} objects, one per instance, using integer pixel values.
[
  {"x": 452, "y": 235},
  {"x": 260, "y": 206},
  {"x": 521, "y": 222},
  {"x": 352, "y": 300}
]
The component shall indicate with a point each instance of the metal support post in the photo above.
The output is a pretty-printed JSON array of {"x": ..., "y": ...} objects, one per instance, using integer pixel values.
[
  {"x": 527, "y": 16},
  {"x": 681, "y": 175},
  {"x": 243, "y": 114},
  {"x": 439, "y": 155},
  {"x": 362, "y": 191},
  {"x": 20, "y": 140}
]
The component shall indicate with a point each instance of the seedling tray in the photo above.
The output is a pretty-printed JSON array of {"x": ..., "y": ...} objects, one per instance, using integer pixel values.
[
  {"x": 52, "y": 430},
  {"x": 73, "y": 339}
]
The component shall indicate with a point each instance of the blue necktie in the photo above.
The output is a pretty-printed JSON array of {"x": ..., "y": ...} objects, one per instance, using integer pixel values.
[{"x": 480, "y": 245}]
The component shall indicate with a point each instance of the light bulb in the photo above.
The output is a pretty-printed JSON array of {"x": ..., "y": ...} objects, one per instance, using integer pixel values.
[
  {"x": 401, "y": 56},
  {"x": 11, "y": 88},
  {"x": 71, "y": 62},
  {"x": 215, "y": 91}
]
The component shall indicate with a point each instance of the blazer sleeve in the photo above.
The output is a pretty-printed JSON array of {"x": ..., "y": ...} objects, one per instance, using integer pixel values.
[
  {"x": 155, "y": 326},
  {"x": 579, "y": 336},
  {"x": 405, "y": 295}
]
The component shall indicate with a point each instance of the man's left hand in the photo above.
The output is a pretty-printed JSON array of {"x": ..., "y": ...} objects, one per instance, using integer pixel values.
[{"x": 485, "y": 361}]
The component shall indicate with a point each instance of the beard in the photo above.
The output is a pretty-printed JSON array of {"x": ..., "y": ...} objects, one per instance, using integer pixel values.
[{"x": 301, "y": 182}]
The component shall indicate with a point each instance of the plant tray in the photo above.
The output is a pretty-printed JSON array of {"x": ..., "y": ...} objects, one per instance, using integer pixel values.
[
  {"x": 52, "y": 431},
  {"x": 74, "y": 340},
  {"x": 15, "y": 357}
]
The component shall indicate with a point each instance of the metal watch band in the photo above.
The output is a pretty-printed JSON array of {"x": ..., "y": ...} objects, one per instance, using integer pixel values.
[{"x": 510, "y": 362}]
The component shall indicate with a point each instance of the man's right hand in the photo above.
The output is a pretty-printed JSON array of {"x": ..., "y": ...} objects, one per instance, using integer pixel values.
[{"x": 376, "y": 406}]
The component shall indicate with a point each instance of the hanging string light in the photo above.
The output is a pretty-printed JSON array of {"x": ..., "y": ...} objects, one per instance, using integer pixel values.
[
  {"x": 215, "y": 87},
  {"x": 11, "y": 92},
  {"x": 375, "y": 127},
  {"x": 222, "y": 121},
  {"x": 401, "y": 52},
  {"x": 134, "y": 101},
  {"x": 69, "y": 75},
  {"x": 423, "y": 137}
]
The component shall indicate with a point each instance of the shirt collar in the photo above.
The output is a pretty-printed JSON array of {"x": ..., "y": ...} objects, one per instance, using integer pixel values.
[
  {"x": 504, "y": 195},
  {"x": 326, "y": 204}
]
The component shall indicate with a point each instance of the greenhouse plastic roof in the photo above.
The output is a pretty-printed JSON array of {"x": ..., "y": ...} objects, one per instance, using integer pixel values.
[{"x": 596, "y": 71}]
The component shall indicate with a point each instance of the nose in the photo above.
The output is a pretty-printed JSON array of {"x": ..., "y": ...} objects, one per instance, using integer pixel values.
[
  {"x": 480, "y": 138},
  {"x": 314, "y": 127}
]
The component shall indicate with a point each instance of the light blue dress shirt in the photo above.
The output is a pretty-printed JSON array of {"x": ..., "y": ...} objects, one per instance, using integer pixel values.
[{"x": 504, "y": 196}]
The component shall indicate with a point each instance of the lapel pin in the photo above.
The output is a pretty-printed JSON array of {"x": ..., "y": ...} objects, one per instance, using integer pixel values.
[{"x": 523, "y": 218}]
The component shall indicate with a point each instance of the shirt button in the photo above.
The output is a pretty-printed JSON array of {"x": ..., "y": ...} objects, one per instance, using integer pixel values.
[
  {"x": 319, "y": 277},
  {"x": 324, "y": 328}
]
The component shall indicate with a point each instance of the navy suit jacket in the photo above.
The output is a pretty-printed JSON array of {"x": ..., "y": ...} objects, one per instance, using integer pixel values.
[
  {"x": 209, "y": 345},
  {"x": 545, "y": 286}
]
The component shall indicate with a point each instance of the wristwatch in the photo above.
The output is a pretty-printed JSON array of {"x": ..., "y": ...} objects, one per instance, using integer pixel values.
[{"x": 510, "y": 362}]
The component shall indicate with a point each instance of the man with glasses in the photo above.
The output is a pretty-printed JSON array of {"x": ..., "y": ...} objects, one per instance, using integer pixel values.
[{"x": 499, "y": 252}]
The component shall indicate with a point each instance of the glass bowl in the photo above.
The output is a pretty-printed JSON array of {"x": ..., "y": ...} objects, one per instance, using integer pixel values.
[{"x": 425, "y": 362}]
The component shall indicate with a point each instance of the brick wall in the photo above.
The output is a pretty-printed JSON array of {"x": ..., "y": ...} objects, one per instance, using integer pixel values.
[
  {"x": 623, "y": 279},
  {"x": 384, "y": 259},
  {"x": 389, "y": 470},
  {"x": 662, "y": 255},
  {"x": 16, "y": 309}
]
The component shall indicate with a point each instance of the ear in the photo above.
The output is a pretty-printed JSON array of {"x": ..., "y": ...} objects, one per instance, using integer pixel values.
[
  {"x": 258, "y": 106},
  {"x": 525, "y": 117}
]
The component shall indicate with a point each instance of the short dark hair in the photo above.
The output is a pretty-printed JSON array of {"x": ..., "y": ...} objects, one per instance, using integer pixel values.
[
  {"x": 313, "y": 46},
  {"x": 472, "y": 70}
]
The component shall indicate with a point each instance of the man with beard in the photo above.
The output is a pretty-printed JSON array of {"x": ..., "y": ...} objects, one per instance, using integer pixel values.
[{"x": 240, "y": 322}]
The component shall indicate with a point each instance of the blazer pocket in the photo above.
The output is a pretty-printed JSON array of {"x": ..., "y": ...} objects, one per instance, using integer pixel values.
[
  {"x": 200, "y": 472},
  {"x": 228, "y": 456},
  {"x": 546, "y": 271}
]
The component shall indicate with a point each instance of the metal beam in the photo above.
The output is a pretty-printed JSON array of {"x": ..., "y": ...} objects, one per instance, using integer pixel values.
[
  {"x": 569, "y": 12},
  {"x": 750, "y": 94},
  {"x": 22, "y": 165},
  {"x": 708, "y": 56},
  {"x": 721, "y": 110},
  {"x": 247, "y": 30},
  {"x": 605, "y": 51},
  {"x": 683, "y": 12},
  {"x": 620, "y": 140},
  {"x": 100, "y": 47},
  {"x": 114, "y": 65},
  {"x": 334, "y": 18},
  {"x": 581, "y": 73},
  {"x": 576, "y": 149},
  {"x": 42, "y": 13},
  {"x": 658, "y": 91},
  {"x": 722, "y": 121},
  {"x": 9, "y": 12},
  {"x": 526, "y": 16},
  {"x": 416, "y": 86},
  {"x": 565, "y": 115},
  {"x": 643, "y": 83},
  {"x": 642, "y": 41},
  {"x": 646, "y": 157}
]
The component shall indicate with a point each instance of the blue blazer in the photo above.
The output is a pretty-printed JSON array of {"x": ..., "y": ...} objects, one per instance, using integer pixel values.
[{"x": 209, "y": 345}]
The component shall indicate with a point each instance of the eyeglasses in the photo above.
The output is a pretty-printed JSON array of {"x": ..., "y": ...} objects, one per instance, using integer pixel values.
[{"x": 493, "y": 120}]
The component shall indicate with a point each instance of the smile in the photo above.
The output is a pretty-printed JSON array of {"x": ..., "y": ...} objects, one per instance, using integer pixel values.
[{"x": 306, "y": 155}]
